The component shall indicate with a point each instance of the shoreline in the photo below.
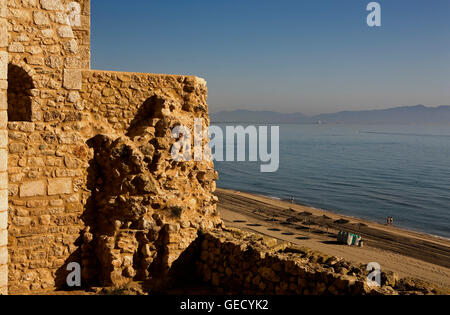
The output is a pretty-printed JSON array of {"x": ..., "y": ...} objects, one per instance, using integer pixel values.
[
  {"x": 405, "y": 252},
  {"x": 330, "y": 211}
]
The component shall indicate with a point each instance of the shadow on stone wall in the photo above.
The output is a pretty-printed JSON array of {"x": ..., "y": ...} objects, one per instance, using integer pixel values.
[
  {"x": 124, "y": 239},
  {"x": 150, "y": 109},
  {"x": 20, "y": 85},
  {"x": 85, "y": 253},
  {"x": 138, "y": 226}
]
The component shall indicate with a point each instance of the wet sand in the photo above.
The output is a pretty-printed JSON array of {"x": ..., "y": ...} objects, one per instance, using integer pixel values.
[{"x": 407, "y": 253}]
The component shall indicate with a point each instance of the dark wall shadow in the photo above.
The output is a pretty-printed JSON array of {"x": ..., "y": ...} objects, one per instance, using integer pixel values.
[
  {"x": 85, "y": 255},
  {"x": 151, "y": 108},
  {"x": 20, "y": 85}
]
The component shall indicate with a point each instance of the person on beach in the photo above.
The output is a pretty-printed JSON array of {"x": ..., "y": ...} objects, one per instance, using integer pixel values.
[
  {"x": 390, "y": 221},
  {"x": 292, "y": 199}
]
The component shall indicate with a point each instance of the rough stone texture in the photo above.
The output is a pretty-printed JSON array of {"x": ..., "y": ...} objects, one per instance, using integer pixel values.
[
  {"x": 32, "y": 189},
  {"x": 237, "y": 262},
  {"x": 3, "y": 65},
  {"x": 66, "y": 200},
  {"x": 72, "y": 79},
  {"x": 59, "y": 186},
  {"x": 3, "y": 150},
  {"x": 100, "y": 168},
  {"x": 153, "y": 211},
  {"x": 42, "y": 228},
  {"x": 51, "y": 5}
]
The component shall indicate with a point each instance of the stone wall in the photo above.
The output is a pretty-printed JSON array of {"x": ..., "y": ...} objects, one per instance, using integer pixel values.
[
  {"x": 237, "y": 262},
  {"x": 91, "y": 179},
  {"x": 49, "y": 36},
  {"x": 65, "y": 206},
  {"x": 48, "y": 46},
  {"x": 153, "y": 206},
  {"x": 3, "y": 150}
]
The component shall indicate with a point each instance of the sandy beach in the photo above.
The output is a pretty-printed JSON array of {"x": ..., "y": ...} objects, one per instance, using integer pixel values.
[{"x": 407, "y": 253}]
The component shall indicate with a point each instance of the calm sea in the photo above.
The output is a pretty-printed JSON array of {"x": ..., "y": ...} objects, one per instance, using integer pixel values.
[{"x": 369, "y": 172}]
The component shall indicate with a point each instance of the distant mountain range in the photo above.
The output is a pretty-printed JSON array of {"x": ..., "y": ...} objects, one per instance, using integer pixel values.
[{"x": 396, "y": 115}]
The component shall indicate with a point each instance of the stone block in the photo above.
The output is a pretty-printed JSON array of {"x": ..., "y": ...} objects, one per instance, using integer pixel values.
[
  {"x": 3, "y": 119},
  {"x": 54, "y": 62},
  {"x": 3, "y": 65},
  {"x": 72, "y": 79},
  {"x": 3, "y": 255},
  {"x": 3, "y": 8},
  {"x": 16, "y": 47},
  {"x": 3, "y": 220},
  {"x": 40, "y": 18},
  {"x": 3, "y": 276},
  {"x": 48, "y": 33},
  {"x": 52, "y": 5},
  {"x": 4, "y": 199},
  {"x": 65, "y": 32},
  {"x": 16, "y": 147},
  {"x": 3, "y": 100},
  {"x": 35, "y": 60},
  {"x": 3, "y": 180},
  {"x": 3, "y": 33},
  {"x": 32, "y": 189},
  {"x": 3, "y": 237},
  {"x": 3, "y": 160},
  {"x": 59, "y": 186},
  {"x": 73, "y": 96}
]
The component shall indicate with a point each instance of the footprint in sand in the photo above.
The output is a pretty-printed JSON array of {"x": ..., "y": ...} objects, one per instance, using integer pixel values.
[
  {"x": 275, "y": 230},
  {"x": 288, "y": 233},
  {"x": 254, "y": 224},
  {"x": 239, "y": 221}
]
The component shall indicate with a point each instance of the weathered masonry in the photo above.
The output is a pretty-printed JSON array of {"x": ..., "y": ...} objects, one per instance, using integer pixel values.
[
  {"x": 3, "y": 149},
  {"x": 87, "y": 157}
]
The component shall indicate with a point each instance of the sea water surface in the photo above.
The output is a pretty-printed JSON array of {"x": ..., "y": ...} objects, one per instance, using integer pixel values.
[{"x": 370, "y": 172}]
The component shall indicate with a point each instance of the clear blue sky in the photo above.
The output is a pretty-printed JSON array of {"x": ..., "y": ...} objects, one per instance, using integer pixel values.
[{"x": 288, "y": 55}]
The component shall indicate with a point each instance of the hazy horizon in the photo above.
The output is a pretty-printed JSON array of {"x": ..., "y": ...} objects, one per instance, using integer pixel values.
[
  {"x": 303, "y": 56},
  {"x": 330, "y": 112}
]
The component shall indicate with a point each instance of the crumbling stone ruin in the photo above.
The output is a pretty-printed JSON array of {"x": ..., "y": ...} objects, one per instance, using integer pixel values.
[
  {"x": 154, "y": 206},
  {"x": 87, "y": 157},
  {"x": 237, "y": 262}
]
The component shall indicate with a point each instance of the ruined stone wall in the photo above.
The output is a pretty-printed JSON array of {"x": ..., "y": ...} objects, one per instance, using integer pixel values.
[
  {"x": 94, "y": 182},
  {"x": 91, "y": 179},
  {"x": 237, "y": 262},
  {"x": 3, "y": 150},
  {"x": 148, "y": 207},
  {"x": 49, "y": 36}
]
